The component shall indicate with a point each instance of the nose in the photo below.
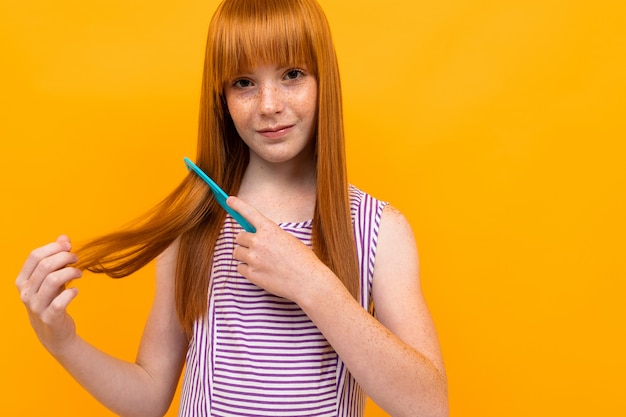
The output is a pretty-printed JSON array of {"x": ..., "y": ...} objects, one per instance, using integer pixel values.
[{"x": 270, "y": 100}]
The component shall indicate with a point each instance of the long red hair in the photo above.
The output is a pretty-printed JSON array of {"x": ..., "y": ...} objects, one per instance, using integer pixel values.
[{"x": 242, "y": 33}]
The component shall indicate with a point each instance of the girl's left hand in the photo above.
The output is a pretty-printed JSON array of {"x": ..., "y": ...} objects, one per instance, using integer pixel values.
[{"x": 274, "y": 259}]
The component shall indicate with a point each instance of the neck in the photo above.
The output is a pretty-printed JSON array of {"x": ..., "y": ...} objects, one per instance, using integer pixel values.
[{"x": 282, "y": 192}]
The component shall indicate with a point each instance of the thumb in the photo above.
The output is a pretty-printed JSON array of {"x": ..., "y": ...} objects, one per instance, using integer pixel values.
[{"x": 251, "y": 214}]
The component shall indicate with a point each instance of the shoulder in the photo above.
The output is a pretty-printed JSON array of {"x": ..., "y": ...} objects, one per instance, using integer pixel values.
[
  {"x": 363, "y": 204},
  {"x": 357, "y": 195},
  {"x": 395, "y": 236},
  {"x": 396, "y": 269},
  {"x": 393, "y": 221},
  {"x": 388, "y": 218},
  {"x": 393, "y": 240}
]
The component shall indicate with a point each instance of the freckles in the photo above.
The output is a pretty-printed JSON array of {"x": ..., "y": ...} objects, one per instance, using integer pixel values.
[
  {"x": 241, "y": 103},
  {"x": 240, "y": 108}
]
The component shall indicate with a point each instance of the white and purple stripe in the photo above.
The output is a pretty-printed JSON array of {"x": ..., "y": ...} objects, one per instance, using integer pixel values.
[{"x": 257, "y": 354}]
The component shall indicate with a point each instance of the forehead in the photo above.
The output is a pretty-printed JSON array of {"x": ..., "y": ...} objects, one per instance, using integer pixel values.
[{"x": 244, "y": 40}]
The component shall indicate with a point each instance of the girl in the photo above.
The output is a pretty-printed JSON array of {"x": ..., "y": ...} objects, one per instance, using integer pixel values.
[{"x": 279, "y": 322}]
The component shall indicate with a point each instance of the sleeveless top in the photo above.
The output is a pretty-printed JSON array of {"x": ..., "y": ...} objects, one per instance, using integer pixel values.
[{"x": 257, "y": 354}]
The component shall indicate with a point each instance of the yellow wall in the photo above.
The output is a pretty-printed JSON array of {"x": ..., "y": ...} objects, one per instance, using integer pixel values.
[{"x": 497, "y": 127}]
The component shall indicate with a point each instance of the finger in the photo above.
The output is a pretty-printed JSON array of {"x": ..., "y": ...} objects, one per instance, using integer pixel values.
[
  {"x": 243, "y": 269},
  {"x": 56, "y": 282},
  {"x": 60, "y": 303},
  {"x": 63, "y": 239},
  {"x": 39, "y": 254},
  {"x": 39, "y": 299},
  {"x": 49, "y": 265},
  {"x": 246, "y": 210},
  {"x": 58, "y": 307},
  {"x": 239, "y": 253}
]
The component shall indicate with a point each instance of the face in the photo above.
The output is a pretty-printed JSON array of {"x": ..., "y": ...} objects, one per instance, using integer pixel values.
[{"x": 274, "y": 111}]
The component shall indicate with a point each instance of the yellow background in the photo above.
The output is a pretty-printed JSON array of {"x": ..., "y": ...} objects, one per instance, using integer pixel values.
[{"x": 497, "y": 127}]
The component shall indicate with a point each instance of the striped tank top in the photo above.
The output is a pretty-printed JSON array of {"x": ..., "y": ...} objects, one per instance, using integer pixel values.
[{"x": 257, "y": 354}]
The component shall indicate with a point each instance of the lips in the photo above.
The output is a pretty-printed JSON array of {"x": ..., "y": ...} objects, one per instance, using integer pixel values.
[{"x": 275, "y": 132}]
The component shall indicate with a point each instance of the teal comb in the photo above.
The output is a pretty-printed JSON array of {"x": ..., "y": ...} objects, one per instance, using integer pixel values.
[{"x": 220, "y": 196}]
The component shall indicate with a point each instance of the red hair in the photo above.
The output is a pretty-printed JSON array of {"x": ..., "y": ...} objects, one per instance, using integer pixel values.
[{"x": 243, "y": 33}]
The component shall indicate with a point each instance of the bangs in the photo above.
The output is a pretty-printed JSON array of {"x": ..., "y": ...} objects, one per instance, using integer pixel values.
[{"x": 249, "y": 33}]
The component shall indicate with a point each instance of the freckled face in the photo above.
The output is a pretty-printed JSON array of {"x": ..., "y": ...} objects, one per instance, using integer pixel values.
[{"x": 274, "y": 111}]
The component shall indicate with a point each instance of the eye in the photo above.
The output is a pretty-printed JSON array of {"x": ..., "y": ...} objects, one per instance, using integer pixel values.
[
  {"x": 242, "y": 83},
  {"x": 294, "y": 74}
]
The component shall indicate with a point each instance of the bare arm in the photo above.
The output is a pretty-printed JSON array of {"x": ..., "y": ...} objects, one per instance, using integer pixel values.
[
  {"x": 143, "y": 388},
  {"x": 396, "y": 359}
]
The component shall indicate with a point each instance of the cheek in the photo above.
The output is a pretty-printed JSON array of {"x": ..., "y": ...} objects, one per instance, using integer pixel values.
[
  {"x": 237, "y": 112},
  {"x": 310, "y": 104}
]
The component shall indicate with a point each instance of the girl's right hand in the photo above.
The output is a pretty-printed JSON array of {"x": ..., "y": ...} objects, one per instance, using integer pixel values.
[{"x": 42, "y": 286}]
